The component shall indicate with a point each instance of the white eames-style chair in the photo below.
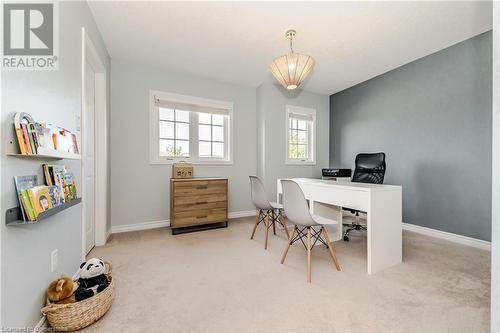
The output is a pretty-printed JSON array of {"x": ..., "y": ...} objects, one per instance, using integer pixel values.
[
  {"x": 297, "y": 212},
  {"x": 270, "y": 213}
]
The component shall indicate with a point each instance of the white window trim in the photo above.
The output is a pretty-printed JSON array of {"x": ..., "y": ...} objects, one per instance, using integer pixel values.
[
  {"x": 155, "y": 158},
  {"x": 307, "y": 111}
]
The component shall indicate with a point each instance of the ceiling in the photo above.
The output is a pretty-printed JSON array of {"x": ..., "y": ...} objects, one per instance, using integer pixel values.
[{"x": 236, "y": 41}]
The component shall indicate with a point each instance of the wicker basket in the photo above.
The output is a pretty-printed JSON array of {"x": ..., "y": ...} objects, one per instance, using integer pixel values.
[{"x": 75, "y": 316}]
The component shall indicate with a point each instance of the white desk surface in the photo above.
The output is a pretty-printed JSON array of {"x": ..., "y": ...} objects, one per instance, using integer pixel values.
[{"x": 348, "y": 185}]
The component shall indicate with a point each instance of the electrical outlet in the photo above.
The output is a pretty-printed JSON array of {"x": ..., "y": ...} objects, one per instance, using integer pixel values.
[{"x": 54, "y": 260}]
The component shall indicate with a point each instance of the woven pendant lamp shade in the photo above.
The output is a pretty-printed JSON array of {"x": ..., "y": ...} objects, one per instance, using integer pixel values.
[{"x": 291, "y": 69}]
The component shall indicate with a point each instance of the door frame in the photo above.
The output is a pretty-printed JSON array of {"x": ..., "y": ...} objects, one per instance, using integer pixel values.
[{"x": 90, "y": 54}]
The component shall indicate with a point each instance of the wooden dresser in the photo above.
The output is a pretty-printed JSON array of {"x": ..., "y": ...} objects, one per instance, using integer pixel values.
[{"x": 197, "y": 202}]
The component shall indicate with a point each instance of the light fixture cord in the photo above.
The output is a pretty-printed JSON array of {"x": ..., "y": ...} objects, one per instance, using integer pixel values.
[{"x": 291, "y": 44}]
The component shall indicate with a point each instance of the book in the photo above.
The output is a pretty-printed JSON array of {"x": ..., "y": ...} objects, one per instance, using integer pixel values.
[
  {"x": 40, "y": 199},
  {"x": 19, "y": 133},
  {"x": 26, "y": 205},
  {"x": 26, "y": 138},
  {"x": 41, "y": 132},
  {"x": 55, "y": 195},
  {"x": 24, "y": 183},
  {"x": 46, "y": 173},
  {"x": 33, "y": 137},
  {"x": 69, "y": 187},
  {"x": 73, "y": 145}
]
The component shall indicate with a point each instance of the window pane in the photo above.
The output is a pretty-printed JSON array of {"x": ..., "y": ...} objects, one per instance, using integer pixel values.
[
  {"x": 302, "y": 124},
  {"x": 301, "y": 151},
  {"x": 205, "y": 118},
  {"x": 204, "y": 149},
  {"x": 182, "y": 116},
  {"x": 166, "y": 114},
  {"x": 218, "y": 149},
  {"x": 182, "y": 131},
  {"x": 217, "y": 133},
  {"x": 293, "y": 136},
  {"x": 218, "y": 119},
  {"x": 166, "y": 129},
  {"x": 302, "y": 136},
  {"x": 204, "y": 133},
  {"x": 292, "y": 151},
  {"x": 166, "y": 147},
  {"x": 181, "y": 148}
]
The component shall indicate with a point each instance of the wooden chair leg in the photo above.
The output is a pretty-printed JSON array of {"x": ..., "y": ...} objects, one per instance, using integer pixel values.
[
  {"x": 256, "y": 223},
  {"x": 273, "y": 221},
  {"x": 309, "y": 255},
  {"x": 282, "y": 221},
  {"x": 266, "y": 222},
  {"x": 290, "y": 239},
  {"x": 330, "y": 249}
]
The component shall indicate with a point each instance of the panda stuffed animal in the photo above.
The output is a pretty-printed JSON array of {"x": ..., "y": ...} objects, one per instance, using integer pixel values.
[{"x": 92, "y": 279}]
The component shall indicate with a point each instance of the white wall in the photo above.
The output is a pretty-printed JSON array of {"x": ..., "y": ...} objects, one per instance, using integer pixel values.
[
  {"x": 140, "y": 191},
  {"x": 271, "y": 102},
  {"x": 52, "y": 96}
]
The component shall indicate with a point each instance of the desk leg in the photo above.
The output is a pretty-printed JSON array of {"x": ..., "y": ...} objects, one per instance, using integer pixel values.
[
  {"x": 331, "y": 212},
  {"x": 384, "y": 234}
]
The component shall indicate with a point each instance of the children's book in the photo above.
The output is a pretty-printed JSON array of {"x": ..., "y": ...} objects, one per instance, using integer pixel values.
[
  {"x": 40, "y": 199},
  {"x": 24, "y": 183},
  {"x": 68, "y": 185},
  {"x": 55, "y": 195}
]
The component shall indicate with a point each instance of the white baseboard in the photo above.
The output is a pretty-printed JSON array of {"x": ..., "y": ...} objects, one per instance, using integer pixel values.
[
  {"x": 464, "y": 240},
  {"x": 166, "y": 223},
  {"x": 243, "y": 213},
  {"x": 139, "y": 226}
]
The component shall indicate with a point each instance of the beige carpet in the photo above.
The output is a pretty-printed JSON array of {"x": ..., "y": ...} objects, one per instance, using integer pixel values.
[{"x": 221, "y": 281}]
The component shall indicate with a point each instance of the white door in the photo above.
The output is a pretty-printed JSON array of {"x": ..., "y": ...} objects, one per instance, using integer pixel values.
[{"x": 88, "y": 158}]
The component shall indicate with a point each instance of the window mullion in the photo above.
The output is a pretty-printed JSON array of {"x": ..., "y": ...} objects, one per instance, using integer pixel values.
[{"x": 193, "y": 135}]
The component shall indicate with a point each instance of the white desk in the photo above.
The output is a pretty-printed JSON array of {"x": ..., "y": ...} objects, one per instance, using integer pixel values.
[{"x": 382, "y": 203}]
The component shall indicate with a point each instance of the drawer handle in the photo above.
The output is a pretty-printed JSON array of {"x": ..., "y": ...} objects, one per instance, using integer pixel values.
[
  {"x": 201, "y": 202},
  {"x": 201, "y": 187},
  {"x": 201, "y": 217}
]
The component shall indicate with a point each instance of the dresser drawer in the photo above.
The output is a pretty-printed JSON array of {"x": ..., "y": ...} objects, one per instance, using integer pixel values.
[
  {"x": 199, "y": 199},
  {"x": 199, "y": 205},
  {"x": 199, "y": 188},
  {"x": 203, "y": 216}
]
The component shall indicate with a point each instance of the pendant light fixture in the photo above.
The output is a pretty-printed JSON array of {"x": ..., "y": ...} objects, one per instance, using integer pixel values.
[{"x": 292, "y": 68}]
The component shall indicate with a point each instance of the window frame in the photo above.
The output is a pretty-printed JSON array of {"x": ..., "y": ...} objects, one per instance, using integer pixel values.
[
  {"x": 199, "y": 102},
  {"x": 311, "y": 145}
]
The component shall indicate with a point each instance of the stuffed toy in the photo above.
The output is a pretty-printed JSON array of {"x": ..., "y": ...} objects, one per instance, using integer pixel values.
[
  {"x": 92, "y": 279},
  {"x": 62, "y": 290}
]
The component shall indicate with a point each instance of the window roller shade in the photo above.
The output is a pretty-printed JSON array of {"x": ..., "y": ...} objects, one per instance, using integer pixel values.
[
  {"x": 189, "y": 107},
  {"x": 301, "y": 116}
]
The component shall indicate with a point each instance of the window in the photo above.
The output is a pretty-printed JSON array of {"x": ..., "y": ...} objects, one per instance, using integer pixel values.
[
  {"x": 186, "y": 128},
  {"x": 300, "y": 135}
]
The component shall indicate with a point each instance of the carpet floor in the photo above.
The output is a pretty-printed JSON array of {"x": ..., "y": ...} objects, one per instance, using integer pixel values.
[{"x": 221, "y": 281}]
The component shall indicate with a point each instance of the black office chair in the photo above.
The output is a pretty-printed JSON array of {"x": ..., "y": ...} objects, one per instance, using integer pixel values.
[{"x": 370, "y": 168}]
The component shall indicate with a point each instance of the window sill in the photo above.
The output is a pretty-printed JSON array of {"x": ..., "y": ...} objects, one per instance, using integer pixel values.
[
  {"x": 288, "y": 162},
  {"x": 194, "y": 162}
]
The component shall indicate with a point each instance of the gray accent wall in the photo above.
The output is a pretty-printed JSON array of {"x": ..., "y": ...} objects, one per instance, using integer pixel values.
[
  {"x": 432, "y": 118},
  {"x": 50, "y": 96}
]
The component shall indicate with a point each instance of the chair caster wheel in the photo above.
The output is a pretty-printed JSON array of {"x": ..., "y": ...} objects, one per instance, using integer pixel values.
[{"x": 346, "y": 239}]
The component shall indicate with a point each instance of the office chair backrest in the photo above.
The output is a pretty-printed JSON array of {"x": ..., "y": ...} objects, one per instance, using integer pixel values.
[
  {"x": 370, "y": 168},
  {"x": 295, "y": 204},
  {"x": 259, "y": 195}
]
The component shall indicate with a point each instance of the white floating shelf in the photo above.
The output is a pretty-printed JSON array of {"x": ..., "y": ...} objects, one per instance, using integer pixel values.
[{"x": 44, "y": 154}]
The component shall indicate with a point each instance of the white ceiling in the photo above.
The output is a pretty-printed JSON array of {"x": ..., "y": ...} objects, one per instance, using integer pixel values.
[{"x": 235, "y": 41}]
